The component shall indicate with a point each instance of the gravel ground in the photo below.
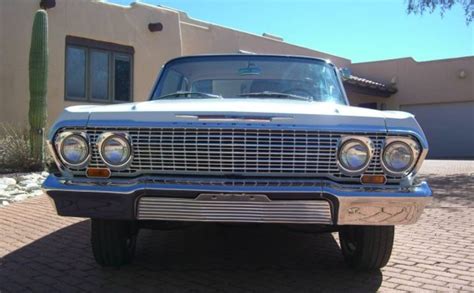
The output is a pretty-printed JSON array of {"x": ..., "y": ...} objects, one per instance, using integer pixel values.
[{"x": 20, "y": 186}]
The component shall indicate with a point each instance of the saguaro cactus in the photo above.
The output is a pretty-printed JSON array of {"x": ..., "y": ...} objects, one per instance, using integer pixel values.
[{"x": 38, "y": 69}]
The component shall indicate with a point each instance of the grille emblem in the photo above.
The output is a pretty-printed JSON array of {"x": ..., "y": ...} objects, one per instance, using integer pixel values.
[{"x": 233, "y": 197}]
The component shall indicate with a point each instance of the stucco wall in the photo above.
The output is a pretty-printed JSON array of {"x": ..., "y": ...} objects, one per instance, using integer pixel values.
[
  {"x": 421, "y": 82},
  {"x": 14, "y": 58},
  {"x": 88, "y": 19},
  {"x": 3, "y": 71},
  {"x": 382, "y": 102},
  {"x": 126, "y": 25}
]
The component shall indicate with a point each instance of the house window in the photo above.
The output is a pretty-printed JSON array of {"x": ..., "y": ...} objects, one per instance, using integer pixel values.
[{"x": 98, "y": 72}]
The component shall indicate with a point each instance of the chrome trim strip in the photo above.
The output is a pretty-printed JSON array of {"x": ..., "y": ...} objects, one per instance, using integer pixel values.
[
  {"x": 377, "y": 191},
  {"x": 235, "y": 118},
  {"x": 205, "y": 184},
  {"x": 341, "y": 84},
  {"x": 281, "y": 211},
  {"x": 69, "y": 124},
  {"x": 109, "y": 124},
  {"x": 421, "y": 159},
  {"x": 56, "y": 159}
]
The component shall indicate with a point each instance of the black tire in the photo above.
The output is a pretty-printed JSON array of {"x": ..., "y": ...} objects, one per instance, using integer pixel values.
[
  {"x": 366, "y": 247},
  {"x": 113, "y": 241}
]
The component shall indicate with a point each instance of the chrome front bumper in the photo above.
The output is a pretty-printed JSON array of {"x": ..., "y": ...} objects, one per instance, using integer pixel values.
[{"x": 238, "y": 200}]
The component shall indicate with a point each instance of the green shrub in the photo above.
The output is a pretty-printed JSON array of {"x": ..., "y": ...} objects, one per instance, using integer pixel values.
[{"x": 15, "y": 153}]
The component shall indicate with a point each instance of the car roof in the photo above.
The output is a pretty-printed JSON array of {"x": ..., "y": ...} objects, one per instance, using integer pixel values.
[{"x": 246, "y": 55}]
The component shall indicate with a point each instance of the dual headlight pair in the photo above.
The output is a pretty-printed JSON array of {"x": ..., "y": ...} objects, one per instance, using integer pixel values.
[
  {"x": 398, "y": 156},
  {"x": 75, "y": 151}
]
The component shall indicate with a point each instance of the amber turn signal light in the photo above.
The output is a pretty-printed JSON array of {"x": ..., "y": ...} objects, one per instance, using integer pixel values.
[
  {"x": 98, "y": 172},
  {"x": 373, "y": 179}
]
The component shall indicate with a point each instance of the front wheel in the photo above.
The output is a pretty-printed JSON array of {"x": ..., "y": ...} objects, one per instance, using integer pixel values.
[
  {"x": 113, "y": 241},
  {"x": 366, "y": 247}
]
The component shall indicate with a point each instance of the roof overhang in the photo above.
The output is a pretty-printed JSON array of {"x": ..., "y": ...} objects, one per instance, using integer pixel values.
[{"x": 368, "y": 87}]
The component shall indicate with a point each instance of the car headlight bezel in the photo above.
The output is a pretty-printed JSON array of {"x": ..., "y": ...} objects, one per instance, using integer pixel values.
[
  {"x": 59, "y": 144},
  {"x": 124, "y": 140},
  {"x": 352, "y": 141},
  {"x": 411, "y": 145}
]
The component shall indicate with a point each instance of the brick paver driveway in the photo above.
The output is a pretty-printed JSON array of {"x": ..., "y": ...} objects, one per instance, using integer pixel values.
[{"x": 43, "y": 252}]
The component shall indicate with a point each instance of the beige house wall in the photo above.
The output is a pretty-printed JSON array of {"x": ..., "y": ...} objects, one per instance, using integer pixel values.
[
  {"x": 356, "y": 99},
  {"x": 125, "y": 25},
  {"x": 3, "y": 72},
  {"x": 428, "y": 82},
  {"x": 81, "y": 18},
  {"x": 418, "y": 82}
]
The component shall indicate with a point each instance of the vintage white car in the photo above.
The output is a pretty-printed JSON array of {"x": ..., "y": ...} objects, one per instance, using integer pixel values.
[{"x": 244, "y": 139}]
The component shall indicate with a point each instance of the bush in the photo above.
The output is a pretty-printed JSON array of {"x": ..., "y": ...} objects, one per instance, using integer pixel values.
[{"x": 15, "y": 154}]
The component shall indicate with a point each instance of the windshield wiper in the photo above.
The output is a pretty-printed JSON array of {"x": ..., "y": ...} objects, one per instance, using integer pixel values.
[
  {"x": 184, "y": 93},
  {"x": 275, "y": 95}
]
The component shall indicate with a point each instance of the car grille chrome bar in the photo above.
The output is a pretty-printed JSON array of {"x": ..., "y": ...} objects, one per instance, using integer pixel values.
[
  {"x": 235, "y": 151},
  {"x": 281, "y": 211}
]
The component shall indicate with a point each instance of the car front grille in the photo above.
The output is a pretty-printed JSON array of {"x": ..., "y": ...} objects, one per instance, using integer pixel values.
[{"x": 231, "y": 151}]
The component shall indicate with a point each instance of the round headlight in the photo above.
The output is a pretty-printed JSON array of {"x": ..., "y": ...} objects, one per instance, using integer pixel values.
[
  {"x": 398, "y": 157},
  {"x": 354, "y": 155},
  {"x": 73, "y": 148},
  {"x": 114, "y": 149}
]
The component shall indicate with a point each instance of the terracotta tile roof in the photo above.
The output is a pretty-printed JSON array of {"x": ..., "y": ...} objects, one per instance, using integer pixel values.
[{"x": 367, "y": 84}]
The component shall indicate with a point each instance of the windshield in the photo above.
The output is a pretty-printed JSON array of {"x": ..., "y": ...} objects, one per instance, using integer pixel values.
[{"x": 251, "y": 77}]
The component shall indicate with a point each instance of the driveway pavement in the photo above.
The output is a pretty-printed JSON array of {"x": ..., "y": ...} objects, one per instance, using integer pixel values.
[{"x": 43, "y": 252}]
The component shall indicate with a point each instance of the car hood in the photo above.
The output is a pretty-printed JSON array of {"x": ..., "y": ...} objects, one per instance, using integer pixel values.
[
  {"x": 273, "y": 111},
  {"x": 251, "y": 112}
]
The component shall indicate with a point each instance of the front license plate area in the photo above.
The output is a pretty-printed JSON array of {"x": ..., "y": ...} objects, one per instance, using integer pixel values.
[{"x": 233, "y": 197}]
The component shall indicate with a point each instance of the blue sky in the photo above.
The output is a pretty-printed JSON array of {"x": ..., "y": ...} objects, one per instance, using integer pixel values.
[{"x": 362, "y": 30}]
